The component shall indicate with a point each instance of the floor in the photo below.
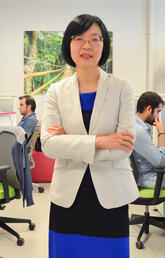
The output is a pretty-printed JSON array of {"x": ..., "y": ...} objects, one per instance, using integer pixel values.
[{"x": 35, "y": 245}]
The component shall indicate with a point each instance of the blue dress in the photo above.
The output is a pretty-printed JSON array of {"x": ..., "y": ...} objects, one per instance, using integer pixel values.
[{"x": 86, "y": 229}]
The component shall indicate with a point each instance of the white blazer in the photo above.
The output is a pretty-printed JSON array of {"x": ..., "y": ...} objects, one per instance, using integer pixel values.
[{"x": 113, "y": 111}]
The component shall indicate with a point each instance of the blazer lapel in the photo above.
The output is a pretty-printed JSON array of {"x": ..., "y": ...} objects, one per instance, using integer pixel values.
[
  {"x": 77, "y": 105},
  {"x": 99, "y": 100},
  {"x": 98, "y": 105}
]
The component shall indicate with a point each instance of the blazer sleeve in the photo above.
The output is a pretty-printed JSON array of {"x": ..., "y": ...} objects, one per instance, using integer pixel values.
[
  {"x": 77, "y": 147},
  {"x": 126, "y": 122}
]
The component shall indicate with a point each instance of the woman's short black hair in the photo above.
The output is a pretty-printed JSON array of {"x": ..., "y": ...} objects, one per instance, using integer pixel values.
[{"x": 79, "y": 25}]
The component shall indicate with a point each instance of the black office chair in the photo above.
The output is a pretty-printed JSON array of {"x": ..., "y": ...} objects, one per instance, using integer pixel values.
[
  {"x": 9, "y": 185},
  {"x": 148, "y": 197}
]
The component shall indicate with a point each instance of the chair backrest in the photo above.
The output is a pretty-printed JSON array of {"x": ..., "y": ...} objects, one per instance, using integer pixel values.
[
  {"x": 7, "y": 139},
  {"x": 31, "y": 145},
  {"x": 159, "y": 176},
  {"x": 134, "y": 166}
]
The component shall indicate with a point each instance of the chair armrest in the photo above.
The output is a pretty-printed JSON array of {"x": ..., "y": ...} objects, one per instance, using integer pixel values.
[
  {"x": 160, "y": 173},
  {"x": 3, "y": 172}
]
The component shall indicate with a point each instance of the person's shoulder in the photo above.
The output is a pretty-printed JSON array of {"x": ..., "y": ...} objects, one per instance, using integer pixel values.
[
  {"x": 139, "y": 129},
  {"x": 117, "y": 81},
  {"x": 141, "y": 133},
  {"x": 62, "y": 83},
  {"x": 32, "y": 119}
]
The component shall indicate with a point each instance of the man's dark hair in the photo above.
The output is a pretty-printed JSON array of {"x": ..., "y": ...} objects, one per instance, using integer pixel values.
[
  {"x": 29, "y": 101},
  {"x": 149, "y": 98},
  {"x": 79, "y": 25}
]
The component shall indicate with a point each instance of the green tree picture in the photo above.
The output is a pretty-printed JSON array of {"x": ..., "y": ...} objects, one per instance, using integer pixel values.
[{"x": 44, "y": 63}]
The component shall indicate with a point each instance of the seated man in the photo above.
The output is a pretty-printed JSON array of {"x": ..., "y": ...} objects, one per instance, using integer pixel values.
[
  {"x": 27, "y": 108},
  {"x": 147, "y": 154}
]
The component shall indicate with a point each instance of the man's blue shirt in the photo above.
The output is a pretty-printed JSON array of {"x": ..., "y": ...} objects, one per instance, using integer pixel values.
[
  {"x": 28, "y": 123},
  {"x": 147, "y": 154}
]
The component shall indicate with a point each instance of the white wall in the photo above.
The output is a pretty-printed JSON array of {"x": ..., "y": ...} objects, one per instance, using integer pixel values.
[
  {"x": 159, "y": 53},
  {"x": 126, "y": 18}
]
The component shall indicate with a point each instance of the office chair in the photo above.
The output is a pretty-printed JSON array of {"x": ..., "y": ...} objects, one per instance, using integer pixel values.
[
  {"x": 9, "y": 185},
  {"x": 31, "y": 146},
  {"x": 148, "y": 197}
]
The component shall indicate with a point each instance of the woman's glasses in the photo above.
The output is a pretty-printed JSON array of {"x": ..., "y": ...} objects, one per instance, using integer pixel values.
[{"x": 93, "y": 40}]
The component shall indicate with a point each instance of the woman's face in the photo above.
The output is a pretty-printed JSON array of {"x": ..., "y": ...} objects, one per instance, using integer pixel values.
[{"x": 86, "y": 49}]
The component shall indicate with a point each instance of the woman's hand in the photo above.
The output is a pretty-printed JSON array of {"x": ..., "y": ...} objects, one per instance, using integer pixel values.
[
  {"x": 56, "y": 130},
  {"x": 123, "y": 140}
]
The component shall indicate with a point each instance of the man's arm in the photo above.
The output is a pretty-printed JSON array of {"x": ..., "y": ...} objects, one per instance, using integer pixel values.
[
  {"x": 145, "y": 147},
  {"x": 29, "y": 126}
]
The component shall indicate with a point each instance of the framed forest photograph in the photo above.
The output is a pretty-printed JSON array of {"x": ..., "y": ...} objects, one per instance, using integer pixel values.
[{"x": 44, "y": 63}]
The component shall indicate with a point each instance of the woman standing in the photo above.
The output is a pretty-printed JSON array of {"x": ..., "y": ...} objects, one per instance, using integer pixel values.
[{"x": 88, "y": 127}]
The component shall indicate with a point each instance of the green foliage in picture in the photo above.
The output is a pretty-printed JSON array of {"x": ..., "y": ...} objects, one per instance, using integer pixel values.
[{"x": 44, "y": 63}]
